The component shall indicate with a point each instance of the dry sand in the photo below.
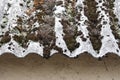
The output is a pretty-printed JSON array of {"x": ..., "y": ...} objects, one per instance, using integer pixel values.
[{"x": 58, "y": 67}]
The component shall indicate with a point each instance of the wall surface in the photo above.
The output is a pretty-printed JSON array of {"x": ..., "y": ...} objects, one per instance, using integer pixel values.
[{"x": 58, "y": 67}]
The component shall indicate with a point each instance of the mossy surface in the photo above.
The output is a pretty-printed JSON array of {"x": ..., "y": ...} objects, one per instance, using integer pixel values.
[
  {"x": 69, "y": 26},
  {"x": 114, "y": 20},
  {"x": 39, "y": 24},
  {"x": 92, "y": 15}
]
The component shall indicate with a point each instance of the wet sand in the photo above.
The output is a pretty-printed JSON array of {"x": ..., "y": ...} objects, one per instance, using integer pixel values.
[{"x": 59, "y": 67}]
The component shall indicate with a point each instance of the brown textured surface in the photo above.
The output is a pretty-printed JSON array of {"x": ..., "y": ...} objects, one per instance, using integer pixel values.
[{"x": 33, "y": 67}]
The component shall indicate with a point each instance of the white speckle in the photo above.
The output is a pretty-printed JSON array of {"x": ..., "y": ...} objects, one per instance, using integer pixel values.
[
  {"x": 33, "y": 47},
  {"x": 109, "y": 43},
  {"x": 59, "y": 31},
  {"x": 85, "y": 46},
  {"x": 53, "y": 51}
]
